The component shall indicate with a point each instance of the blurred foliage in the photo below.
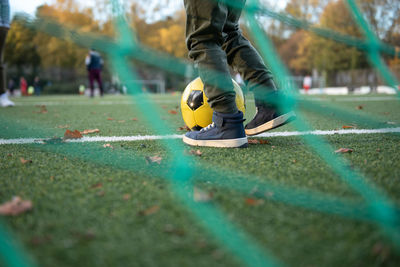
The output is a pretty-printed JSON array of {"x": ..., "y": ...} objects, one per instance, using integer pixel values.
[{"x": 161, "y": 25}]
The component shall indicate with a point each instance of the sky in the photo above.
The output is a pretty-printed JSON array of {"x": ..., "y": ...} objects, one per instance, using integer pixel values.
[{"x": 29, "y": 6}]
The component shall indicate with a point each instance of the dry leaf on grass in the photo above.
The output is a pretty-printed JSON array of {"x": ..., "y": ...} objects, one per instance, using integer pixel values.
[
  {"x": 154, "y": 159},
  {"x": 184, "y": 128},
  {"x": 134, "y": 119},
  {"x": 173, "y": 112},
  {"x": 202, "y": 196},
  {"x": 25, "y": 161},
  {"x": 196, "y": 152},
  {"x": 254, "y": 202},
  {"x": 43, "y": 109},
  {"x": 126, "y": 196},
  {"x": 348, "y": 127},
  {"x": 90, "y": 131},
  {"x": 121, "y": 121},
  {"x": 72, "y": 135},
  {"x": 149, "y": 211},
  {"x": 98, "y": 185},
  {"x": 110, "y": 119},
  {"x": 15, "y": 206},
  {"x": 360, "y": 107},
  {"x": 62, "y": 126},
  {"x": 108, "y": 145},
  {"x": 258, "y": 141},
  {"x": 344, "y": 150}
]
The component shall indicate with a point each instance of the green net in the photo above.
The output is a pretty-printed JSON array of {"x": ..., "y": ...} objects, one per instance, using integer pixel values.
[{"x": 375, "y": 206}]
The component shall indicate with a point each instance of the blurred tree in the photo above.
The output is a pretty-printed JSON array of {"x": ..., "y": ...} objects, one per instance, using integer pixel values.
[
  {"x": 20, "y": 49},
  {"x": 323, "y": 54},
  {"x": 383, "y": 16}
]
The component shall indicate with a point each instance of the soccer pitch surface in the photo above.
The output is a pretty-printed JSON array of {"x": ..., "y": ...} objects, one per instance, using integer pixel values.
[{"x": 91, "y": 207}]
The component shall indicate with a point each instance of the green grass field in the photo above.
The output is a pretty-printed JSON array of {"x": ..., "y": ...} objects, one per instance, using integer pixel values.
[{"x": 112, "y": 206}]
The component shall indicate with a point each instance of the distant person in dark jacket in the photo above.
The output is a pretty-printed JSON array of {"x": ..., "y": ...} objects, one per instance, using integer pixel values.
[
  {"x": 37, "y": 86},
  {"x": 4, "y": 26},
  {"x": 94, "y": 65}
]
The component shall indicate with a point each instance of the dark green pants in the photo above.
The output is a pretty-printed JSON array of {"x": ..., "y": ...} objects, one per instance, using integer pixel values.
[
  {"x": 3, "y": 35},
  {"x": 215, "y": 41}
]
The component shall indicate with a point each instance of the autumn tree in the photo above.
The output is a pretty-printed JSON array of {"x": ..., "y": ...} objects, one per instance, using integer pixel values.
[{"x": 20, "y": 50}]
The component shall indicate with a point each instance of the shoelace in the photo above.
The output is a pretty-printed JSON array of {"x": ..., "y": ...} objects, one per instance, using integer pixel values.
[{"x": 212, "y": 125}]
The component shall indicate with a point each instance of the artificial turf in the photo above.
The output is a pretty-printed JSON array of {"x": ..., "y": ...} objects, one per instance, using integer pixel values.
[{"x": 103, "y": 206}]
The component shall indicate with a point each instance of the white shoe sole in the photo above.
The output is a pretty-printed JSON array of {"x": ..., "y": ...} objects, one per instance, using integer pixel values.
[
  {"x": 230, "y": 143},
  {"x": 281, "y": 120}
]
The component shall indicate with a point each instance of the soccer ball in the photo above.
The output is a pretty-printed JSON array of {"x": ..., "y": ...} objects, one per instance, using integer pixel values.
[{"x": 195, "y": 110}]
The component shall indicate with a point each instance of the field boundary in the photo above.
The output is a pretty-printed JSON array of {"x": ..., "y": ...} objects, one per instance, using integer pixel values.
[{"x": 22, "y": 141}]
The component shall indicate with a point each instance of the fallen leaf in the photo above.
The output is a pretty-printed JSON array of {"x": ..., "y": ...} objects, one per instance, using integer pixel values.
[
  {"x": 62, "y": 126},
  {"x": 90, "y": 131},
  {"x": 37, "y": 240},
  {"x": 42, "y": 110},
  {"x": 381, "y": 250},
  {"x": 134, "y": 119},
  {"x": 196, "y": 152},
  {"x": 348, "y": 127},
  {"x": 15, "y": 206},
  {"x": 25, "y": 161},
  {"x": 253, "y": 202},
  {"x": 126, "y": 197},
  {"x": 202, "y": 196},
  {"x": 98, "y": 185},
  {"x": 149, "y": 211},
  {"x": 87, "y": 236},
  {"x": 294, "y": 161},
  {"x": 344, "y": 150},
  {"x": 154, "y": 159},
  {"x": 9, "y": 155},
  {"x": 258, "y": 141},
  {"x": 360, "y": 107},
  {"x": 184, "y": 128},
  {"x": 72, "y": 135},
  {"x": 110, "y": 119},
  {"x": 173, "y": 112},
  {"x": 122, "y": 121},
  {"x": 108, "y": 145}
]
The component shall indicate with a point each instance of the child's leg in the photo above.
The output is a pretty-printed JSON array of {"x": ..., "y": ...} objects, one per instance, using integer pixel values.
[
  {"x": 245, "y": 59},
  {"x": 205, "y": 23}
]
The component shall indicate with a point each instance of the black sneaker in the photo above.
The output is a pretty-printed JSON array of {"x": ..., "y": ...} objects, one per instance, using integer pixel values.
[
  {"x": 267, "y": 119},
  {"x": 226, "y": 130}
]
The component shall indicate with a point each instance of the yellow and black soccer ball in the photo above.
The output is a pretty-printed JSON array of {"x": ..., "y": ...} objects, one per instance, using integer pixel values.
[{"x": 196, "y": 112}]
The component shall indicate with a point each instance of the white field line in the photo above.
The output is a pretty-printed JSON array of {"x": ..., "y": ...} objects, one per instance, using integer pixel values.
[
  {"x": 171, "y": 101},
  {"x": 110, "y": 139}
]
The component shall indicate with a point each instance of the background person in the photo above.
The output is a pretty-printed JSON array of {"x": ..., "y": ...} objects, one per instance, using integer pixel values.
[
  {"x": 307, "y": 82},
  {"x": 37, "y": 86},
  {"x": 94, "y": 65},
  {"x": 4, "y": 26},
  {"x": 23, "y": 86}
]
